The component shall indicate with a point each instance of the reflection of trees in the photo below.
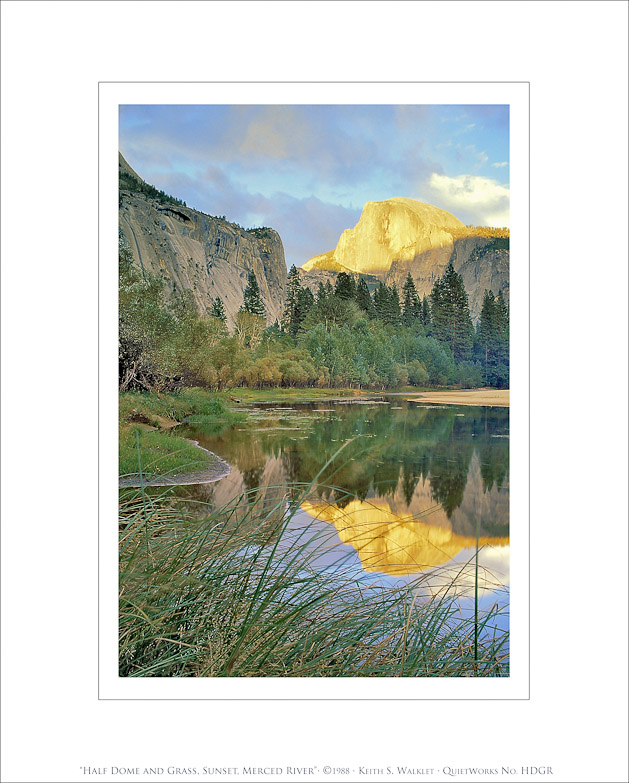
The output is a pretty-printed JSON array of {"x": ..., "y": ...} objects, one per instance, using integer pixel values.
[
  {"x": 494, "y": 462},
  {"x": 389, "y": 450},
  {"x": 449, "y": 486},
  {"x": 253, "y": 476},
  {"x": 409, "y": 482}
]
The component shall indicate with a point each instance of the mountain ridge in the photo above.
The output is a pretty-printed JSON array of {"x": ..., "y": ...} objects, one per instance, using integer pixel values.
[{"x": 206, "y": 255}]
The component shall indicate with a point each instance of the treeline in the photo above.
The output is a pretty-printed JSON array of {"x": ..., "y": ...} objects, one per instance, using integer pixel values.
[
  {"x": 342, "y": 336},
  {"x": 479, "y": 231},
  {"x": 128, "y": 182}
]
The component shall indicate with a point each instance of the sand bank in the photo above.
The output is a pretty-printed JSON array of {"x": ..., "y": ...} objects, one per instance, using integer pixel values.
[{"x": 498, "y": 397}]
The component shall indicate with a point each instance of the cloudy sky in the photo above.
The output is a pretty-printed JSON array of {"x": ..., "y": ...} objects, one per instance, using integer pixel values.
[{"x": 307, "y": 171}]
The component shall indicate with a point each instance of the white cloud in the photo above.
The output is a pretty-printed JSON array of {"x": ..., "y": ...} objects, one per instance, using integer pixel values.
[
  {"x": 500, "y": 165},
  {"x": 478, "y": 200}
]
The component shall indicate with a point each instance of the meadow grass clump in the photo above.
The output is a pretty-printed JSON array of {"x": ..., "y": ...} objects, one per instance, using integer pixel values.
[
  {"x": 244, "y": 592},
  {"x": 176, "y": 406},
  {"x": 161, "y": 453},
  {"x": 144, "y": 416}
]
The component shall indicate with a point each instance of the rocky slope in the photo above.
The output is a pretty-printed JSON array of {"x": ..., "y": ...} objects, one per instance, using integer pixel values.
[
  {"x": 398, "y": 236},
  {"x": 192, "y": 251}
]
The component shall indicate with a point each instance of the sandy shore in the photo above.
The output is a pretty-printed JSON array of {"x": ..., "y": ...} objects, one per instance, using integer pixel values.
[{"x": 498, "y": 397}]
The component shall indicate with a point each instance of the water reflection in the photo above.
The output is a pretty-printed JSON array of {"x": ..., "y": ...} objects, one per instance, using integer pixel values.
[
  {"x": 414, "y": 487},
  {"x": 392, "y": 544}
]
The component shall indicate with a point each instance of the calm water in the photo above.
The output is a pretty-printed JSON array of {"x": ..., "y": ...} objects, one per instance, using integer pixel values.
[{"x": 416, "y": 489}]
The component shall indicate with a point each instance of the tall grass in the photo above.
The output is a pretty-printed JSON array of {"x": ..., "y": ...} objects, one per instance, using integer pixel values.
[
  {"x": 162, "y": 453},
  {"x": 257, "y": 593}
]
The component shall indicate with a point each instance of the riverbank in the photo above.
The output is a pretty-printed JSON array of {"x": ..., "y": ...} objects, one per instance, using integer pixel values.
[
  {"x": 216, "y": 469},
  {"x": 149, "y": 436},
  {"x": 149, "y": 424},
  {"x": 245, "y": 395},
  {"x": 491, "y": 397}
]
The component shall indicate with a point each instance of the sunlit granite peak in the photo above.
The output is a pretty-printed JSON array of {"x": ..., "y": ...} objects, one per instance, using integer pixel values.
[
  {"x": 395, "y": 229},
  {"x": 400, "y": 236}
]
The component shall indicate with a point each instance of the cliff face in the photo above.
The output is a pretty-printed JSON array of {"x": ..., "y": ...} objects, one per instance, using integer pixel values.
[
  {"x": 206, "y": 255},
  {"x": 398, "y": 236},
  {"x": 478, "y": 261}
]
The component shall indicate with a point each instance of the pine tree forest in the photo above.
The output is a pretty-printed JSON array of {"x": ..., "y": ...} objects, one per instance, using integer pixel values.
[{"x": 340, "y": 336}]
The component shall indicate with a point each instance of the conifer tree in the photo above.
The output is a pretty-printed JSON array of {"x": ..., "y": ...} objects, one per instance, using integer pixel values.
[
  {"x": 363, "y": 299},
  {"x": 381, "y": 301},
  {"x": 502, "y": 315},
  {"x": 395, "y": 311},
  {"x": 345, "y": 287},
  {"x": 493, "y": 339},
  {"x": 329, "y": 290},
  {"x": 425, "y": 312},
  {"x": 502, "y": 348},
  {"x": 387, "y": 303},
  {"x": 486, "y": 331},
  {"x": 290, "y": 317},
  {"x": 411, "y": 306},
  {"x": 451, "y": 314},
  {"x": 305, "y": 303},
  {"x": 252, "y": 300},
  {"x": 218, "y": 309},
  {"x": 320, "y": 293}
]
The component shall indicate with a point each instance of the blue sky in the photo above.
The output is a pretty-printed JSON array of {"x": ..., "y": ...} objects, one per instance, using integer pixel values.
[{"x": 307, "y": 171}]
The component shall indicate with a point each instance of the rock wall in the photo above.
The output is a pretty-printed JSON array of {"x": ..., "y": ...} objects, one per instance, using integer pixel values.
[
  {"x": 480, "y": 266},
  {"x": 206, "y": 255}
]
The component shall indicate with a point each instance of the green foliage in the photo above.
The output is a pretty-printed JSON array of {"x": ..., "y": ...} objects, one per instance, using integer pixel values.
[
  {"x": 363, "y": 298},
  {"x": 492, "y": 340},
  {"x": 299, "y": 301},
  {"x": 499, "y": 243},
  {"x": 331, "y": 311},
  {"x": 176, "y": 406},
  {"x": 218, "y": 310},
  {"x": 262, "y": 233},
  {"x": 249, "y": 329},
  {"x": 469, "y": 375},
  {"x": 166, "y": 452},
  {"x": 425, "y": 317},
  {"x": 451, "y": 322},
  {"x": 411, "y": 304},
  {"x": 345, "y": 286},
  {"x": 146, "y": 353},
  {"x": 386, "y": 303},
  {"x": 252, "y": 299},
  {"x": 161, "y": 453},
  {"x": 329, "y": 341}
]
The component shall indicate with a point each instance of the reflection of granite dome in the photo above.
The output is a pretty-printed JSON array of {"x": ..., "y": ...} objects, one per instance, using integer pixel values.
[{"x": 391, "y": 543}]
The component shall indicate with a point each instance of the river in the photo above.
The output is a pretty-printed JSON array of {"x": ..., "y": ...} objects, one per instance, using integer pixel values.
[{"x": 398, "y": 489}]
